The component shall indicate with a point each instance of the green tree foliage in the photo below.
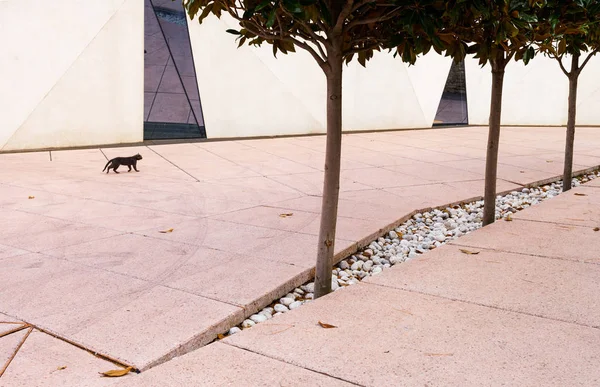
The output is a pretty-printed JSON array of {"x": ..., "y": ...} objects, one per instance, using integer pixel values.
[
  {"x": 569, "y": 27},
  {"x": 333, "y": 32},
  {"x": 495, "y": 32}
]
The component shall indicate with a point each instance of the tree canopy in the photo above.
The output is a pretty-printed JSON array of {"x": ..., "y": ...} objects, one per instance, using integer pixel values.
[
  {"x": 362, "y": 26},
  {"x": 568, "y": 27}
]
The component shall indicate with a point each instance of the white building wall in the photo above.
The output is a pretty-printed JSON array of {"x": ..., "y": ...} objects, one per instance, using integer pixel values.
[
  {"x": 72, "y": 75},
  {"x": 247, "y": 92},
  {"x": 71, "y": 72},
  {"x": 535, "y": 94}
]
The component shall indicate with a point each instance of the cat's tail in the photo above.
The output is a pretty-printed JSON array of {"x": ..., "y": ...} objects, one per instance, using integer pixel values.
[{"x": 106, "y": 165}]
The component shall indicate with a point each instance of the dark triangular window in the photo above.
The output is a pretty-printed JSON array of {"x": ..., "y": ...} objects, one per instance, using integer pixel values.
[
  {"x": 452, "y": 109},
  {"x": 171, "y": 99}
]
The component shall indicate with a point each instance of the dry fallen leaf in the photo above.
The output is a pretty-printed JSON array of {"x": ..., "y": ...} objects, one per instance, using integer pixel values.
[
  {"x": 549, "y": 161},
  {"x": 61, "y": 368},
  {"x": 326, "y": 326},
  {"x": 220, "y": 336},
  {"x": 579, "y": 194},
  {"x": 465, "y": 251},
  {"x": 116, "y": 373},
  {"x": 32, "y": 197},
  {"x": 508, "y": 218},
  {"x": 596, "y": 228},
  {"x": 166, "y": 231},
  {"x": 285, "y": 215}
]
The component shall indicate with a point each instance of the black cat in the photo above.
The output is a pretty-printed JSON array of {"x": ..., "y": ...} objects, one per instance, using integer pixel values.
[{"x": 118, "y": 161}]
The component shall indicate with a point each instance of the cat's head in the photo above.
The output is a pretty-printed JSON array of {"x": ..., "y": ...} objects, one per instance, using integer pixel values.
[{"x": 138, "y": 156}]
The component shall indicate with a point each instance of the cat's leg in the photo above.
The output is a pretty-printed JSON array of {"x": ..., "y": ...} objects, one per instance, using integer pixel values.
[
  {"x": 134, "y": 166},
  {"x": 115, "y": 168},
  {"x": 129, "y": 170}
]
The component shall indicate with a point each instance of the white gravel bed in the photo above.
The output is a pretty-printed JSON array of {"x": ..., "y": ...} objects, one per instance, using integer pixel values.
[{"x": 423, "y": 232}]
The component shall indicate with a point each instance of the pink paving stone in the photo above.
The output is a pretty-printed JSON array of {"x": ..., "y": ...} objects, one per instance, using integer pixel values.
[
  {"x": 435, "y": 172},
  {"x": 40, "y": 360},
  {"x": 351, "y": 229},
  {"x": 437, "y": 195},
  {"x": 158, "y": 324},
  {"x": 34, "y": 232},
  {"x": 223, "y": 365},
  {"x": 225, "y": 277},
  {"x": 260, "y": 183},
  {"x": 312, "y": 183},
  {"x": 220, "y": 235},
  {"x": 553, "y": 165},
  {"x": 137, "y": 322},
  {"x": 593, "y": 183},
  {"x": 406, "y": 338},
  {"x": 567, "y": 208},
  {"x": 385, "y": 211},
  {"x": 519, "y": 175},
  {"x": 9, "y": 251},
  {"x": 129, "y": 254},
  {"x": 431, "y": 155},
  {"x": 7, "y": 318},
  {"x": 579, "y": 158},
  {"x": 276, "y": 166},
  {"x": 217, "y": 171},
  {"x": 110, "y": 215},
  {"x": 9, "y": 345},
  {"x": 224, "y": 190},
  {"x": 301, "y": 250},
  {"x": 163, "y": 186},
  {"x": 552, "y": 288},
  {"x": 476, "y": 188},
  {"x": 383, "y": 178},
  {"x": 277, "y": 218},
  {"x": 534, "y": 238}
]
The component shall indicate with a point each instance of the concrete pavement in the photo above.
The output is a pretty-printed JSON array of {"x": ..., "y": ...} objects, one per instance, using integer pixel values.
[
  {"x": 497, "y": 318},
  {"x": 85, "y": 258}
]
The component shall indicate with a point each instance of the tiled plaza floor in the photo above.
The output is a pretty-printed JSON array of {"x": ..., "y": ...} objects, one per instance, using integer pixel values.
[{"x": 83, "y": 256}]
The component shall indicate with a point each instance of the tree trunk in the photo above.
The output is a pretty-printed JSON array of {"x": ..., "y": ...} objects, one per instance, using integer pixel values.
[
  {"x": 331, "y": 184},
  {"x": 491, "y": 160},
  {"x": 573, "y": 78}
]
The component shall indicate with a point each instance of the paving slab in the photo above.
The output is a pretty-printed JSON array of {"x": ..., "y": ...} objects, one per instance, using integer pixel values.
[
  {"x": 45, "y": 361},
  {"x": 133, "y": 321},
  {"x": 109, "y": 215},
  {"x": 550, "y": 288},
  {"x": 410, "y": 339},
  {"x": 111, "y": 279},
  {"x": 579, "y": 207},
  {"x": 9, "y": 345},
  {"x": 34, "y": 232},
  {"x": 522, "y": 175},
  {"x": 593, "y": 183},
  {"x": 223, "y": 365},
  {"x": 301, "y": 249},
  {"x": 552, "y": 240}
]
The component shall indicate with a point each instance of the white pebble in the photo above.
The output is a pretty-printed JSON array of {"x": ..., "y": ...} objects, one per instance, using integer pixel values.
[
  {"x": 258, "y": 318},
  {"x": 286, "y": 301},
  {"x": 280, "y": 308}
]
